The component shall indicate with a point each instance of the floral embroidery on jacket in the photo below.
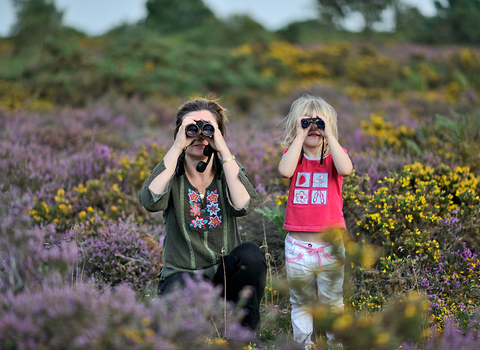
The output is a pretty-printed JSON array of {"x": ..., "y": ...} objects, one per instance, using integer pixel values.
[
  {"x": 198, "y": 222},
  {"x": 212, "y": 197},
  {"x": 195, "y": 209},
  {"x": 213, "y": 209},
  {"x": 193, "y": 196},
  {"x": 207, "y": 216},
  {"x": 214, "y": 221}
]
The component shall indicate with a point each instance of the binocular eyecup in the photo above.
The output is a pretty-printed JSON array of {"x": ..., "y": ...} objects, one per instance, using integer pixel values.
[
  {"x": 200, "y": 126},
  {"x": 306, "y": 122}
]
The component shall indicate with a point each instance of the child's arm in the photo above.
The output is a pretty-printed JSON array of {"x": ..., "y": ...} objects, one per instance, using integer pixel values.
[
  {"x": 289, "y": 161},
  {"x": 342, "y": 161}
]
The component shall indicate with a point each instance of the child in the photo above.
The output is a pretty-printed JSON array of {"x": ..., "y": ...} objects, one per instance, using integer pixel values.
[{"x": 315, "y": 163}]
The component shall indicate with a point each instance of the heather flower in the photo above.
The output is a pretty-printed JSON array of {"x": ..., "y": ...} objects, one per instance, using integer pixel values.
[
  {"x": 81, "y": 317},
  {"x": 450, "y": 338},
  {"x": 115, "y": 254},
  {"x": 29, "y": 254}
]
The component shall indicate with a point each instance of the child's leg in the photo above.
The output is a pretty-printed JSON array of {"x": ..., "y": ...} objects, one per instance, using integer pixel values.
[
  {"x": 330, "y": 281},
  {"x": 301, "y": 281},
  {"x": 330, "y": 288},
  {"x": 302, "y": 324}
]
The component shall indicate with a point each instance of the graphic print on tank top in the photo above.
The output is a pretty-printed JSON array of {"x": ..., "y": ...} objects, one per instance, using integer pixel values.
[{"x": 311, "y": 188}]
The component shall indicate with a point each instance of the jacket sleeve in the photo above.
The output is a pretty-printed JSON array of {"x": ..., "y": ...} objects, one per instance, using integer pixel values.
[
  {"x": 254, "y": 200},
  {"x": 152, "y": 201}
]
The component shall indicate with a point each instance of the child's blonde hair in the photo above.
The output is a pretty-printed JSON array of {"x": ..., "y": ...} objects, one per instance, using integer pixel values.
[{"x": 308, "y": 106}]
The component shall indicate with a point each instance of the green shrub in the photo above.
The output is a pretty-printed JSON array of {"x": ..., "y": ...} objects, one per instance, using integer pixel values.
[{"x": 403, "y": 216}]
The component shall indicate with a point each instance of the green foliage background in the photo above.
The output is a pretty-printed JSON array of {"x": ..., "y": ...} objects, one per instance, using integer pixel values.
[{"x": 181, "y": 49}]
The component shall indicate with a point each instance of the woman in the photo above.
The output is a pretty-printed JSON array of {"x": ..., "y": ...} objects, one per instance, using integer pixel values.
[{"x": 201, "y": 194}]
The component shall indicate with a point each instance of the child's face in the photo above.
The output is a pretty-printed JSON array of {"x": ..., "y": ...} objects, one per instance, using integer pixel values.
[{"x": 314, "y": 137}]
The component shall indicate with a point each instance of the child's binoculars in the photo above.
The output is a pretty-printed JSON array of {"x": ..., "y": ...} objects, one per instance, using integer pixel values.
[{"x": 306, "y": 122}]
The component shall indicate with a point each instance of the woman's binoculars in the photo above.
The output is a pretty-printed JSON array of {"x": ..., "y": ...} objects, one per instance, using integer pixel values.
[
  {"x": 206, "y": 128},
  {"x": 306, "y": 122}
]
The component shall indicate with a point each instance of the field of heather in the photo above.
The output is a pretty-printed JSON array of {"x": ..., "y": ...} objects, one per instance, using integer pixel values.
[{"x": 79, "y": 256}]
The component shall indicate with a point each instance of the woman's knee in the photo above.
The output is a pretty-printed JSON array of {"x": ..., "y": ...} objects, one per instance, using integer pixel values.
[
  {"x": 248, "y": 252},
  {"x": 172, "y": 282}
]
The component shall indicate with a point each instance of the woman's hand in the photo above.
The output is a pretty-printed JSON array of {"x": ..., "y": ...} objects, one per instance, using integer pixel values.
[
  {"x": 217, "y": 142},
  {"x": 238, "y": 192},
  {"x": 182, "y": 140}
]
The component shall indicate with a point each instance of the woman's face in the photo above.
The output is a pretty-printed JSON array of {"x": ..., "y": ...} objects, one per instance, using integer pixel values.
[{"x": 199, "y": 142}]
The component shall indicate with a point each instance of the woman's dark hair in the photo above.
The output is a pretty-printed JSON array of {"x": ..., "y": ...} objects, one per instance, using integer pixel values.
[{"x": 203, "y": 104}]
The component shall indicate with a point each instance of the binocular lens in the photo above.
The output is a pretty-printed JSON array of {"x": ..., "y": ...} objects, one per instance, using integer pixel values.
[
  {"x": 192, "y": 130},
  {"x": 208, "y": 130}
]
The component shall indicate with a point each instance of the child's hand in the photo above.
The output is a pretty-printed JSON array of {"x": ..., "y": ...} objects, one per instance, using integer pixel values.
[
  {"x": 301, "y": 132},
  {"x": 327, "y": 130}
]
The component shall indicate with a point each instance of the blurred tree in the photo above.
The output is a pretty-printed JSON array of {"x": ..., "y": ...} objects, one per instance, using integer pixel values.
[
  {"x": 37, "y": 20},
  {"x": 409, "y": 20},
  {"x": 461, "y": 18},
  {"x": 333, "y": 11},
  {"x": 242, "y": 29},
  {"x": 371, "y": 10},
  {"x": 455, "y": 22},
  {"x": 291, "y": 32},
  {"x": 173, "y": 16}
]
